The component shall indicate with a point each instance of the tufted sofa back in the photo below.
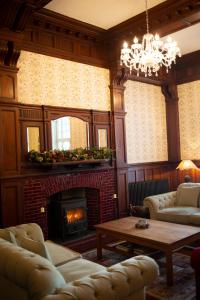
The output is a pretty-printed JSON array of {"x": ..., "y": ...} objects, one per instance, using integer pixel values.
[
  {"x": 32, "y": 275},
  {"x": 31, "y": 231}
]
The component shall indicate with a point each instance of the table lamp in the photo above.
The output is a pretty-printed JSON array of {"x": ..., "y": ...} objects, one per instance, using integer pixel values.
[{"x": 186, "y": 165}]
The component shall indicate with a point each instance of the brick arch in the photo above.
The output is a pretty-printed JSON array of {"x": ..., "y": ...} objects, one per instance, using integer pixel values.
[{"x": 52, "y": 185}]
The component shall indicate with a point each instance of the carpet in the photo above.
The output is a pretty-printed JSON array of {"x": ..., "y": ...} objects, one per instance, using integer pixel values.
[{"x": 184, "y": 280}]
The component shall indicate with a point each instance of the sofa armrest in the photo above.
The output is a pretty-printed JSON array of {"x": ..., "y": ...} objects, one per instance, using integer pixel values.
[
  {"x": 115, "y": 283},
  {"x": 158, "y": 202}
]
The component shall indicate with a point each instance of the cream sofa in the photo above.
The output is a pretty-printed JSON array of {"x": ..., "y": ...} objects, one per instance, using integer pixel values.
[
  {"x": 181, "y": 206},
  {"x": 58, "y": 273}
]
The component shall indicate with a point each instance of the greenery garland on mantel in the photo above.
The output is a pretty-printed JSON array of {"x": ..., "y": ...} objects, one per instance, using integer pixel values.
[{"x": 75, "y": 155}]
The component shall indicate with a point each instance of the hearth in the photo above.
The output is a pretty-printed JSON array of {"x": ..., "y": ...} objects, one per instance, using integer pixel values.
[{"x": 67, "y": 214}]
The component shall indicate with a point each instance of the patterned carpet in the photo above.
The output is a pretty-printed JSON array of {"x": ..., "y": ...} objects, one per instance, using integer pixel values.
[{"x": 184, "y": 281}]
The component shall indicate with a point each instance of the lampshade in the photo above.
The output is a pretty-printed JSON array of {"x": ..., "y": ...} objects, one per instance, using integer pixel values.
[{"x": 186, "y": 165}]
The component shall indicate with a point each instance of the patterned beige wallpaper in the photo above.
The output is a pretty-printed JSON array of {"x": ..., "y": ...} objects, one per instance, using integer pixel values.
[
  {"x": 46, "y": 80},
  {"x": 146, "y": 133},
  {"x": 189, "y": 119}
]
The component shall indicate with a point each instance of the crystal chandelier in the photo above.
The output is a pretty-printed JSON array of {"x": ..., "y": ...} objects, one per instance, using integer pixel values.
[{"x": 151, "y": 54}]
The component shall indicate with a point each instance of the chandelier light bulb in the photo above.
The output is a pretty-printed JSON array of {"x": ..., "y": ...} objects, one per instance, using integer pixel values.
[
  {"x": 149, "y": 55},
  {"x": 125, "y": 45}
]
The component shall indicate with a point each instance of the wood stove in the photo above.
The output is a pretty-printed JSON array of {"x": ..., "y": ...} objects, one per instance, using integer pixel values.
[{"x": 67, "y": 216}]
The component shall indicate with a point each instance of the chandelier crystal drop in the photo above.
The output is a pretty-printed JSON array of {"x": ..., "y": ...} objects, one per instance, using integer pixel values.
[{"x": 151, "y": 54}]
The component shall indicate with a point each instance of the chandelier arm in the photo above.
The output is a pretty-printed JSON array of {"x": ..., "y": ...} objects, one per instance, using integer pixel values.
[{"x": 147, "y": 17}]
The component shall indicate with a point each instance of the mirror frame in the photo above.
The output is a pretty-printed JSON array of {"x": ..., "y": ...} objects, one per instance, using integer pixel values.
[
  {"x": 24, "y": 138},
  {"x": 106, "y": 127},
  {"x": 83, "y": 115},
  {"x": 86, "y": 123}
]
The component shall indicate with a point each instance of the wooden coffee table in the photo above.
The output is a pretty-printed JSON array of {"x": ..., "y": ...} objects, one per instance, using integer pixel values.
[{"x": 164, "y": 236}]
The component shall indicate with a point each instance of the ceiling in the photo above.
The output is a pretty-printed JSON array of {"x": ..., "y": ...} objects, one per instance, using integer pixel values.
[
  {"x": 104, "y": 13},
  {"x": 108, "y": 13},
  {"x": 188, "y": 39}
]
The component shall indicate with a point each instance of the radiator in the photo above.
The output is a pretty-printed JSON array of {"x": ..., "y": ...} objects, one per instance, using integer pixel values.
[{"x": 139, "y": 190}]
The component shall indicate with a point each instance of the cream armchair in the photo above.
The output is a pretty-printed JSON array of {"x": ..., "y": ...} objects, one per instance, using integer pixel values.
[
  {"x": 58, "y": 273},
  {"x": 181, "y": 206}
]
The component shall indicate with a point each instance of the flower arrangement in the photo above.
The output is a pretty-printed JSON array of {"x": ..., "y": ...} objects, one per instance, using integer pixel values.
[{"x": 52, "y": 156}]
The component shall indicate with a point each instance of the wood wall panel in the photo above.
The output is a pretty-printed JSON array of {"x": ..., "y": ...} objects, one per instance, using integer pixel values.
[
  {"x": 56, "y": 35},
  {"x": 188, "y": 68},
  {"x": 120, "y": 141},
  {"x": 151, "y": 171},
  {"x": 9, "y": 141},
  {"x": 8, "y": 83},
  {"x": 148, "y": 174},
  {"x": 11, "y": 203},
  {"x": 161, "y": 170},
  {"x": 122, "y": 180}
]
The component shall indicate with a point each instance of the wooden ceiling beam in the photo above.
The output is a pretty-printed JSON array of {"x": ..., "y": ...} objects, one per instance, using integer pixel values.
[
  {"x": 14, "y": 14},
  {"x": 165, "y": 18}
]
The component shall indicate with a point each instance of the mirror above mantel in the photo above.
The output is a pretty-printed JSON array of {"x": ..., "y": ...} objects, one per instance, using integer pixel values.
[
  {"x": 44, "y": 128},
  {"x": 69, "y": 133}
]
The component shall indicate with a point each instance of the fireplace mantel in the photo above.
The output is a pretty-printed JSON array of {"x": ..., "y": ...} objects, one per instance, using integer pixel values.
[{"x": 75, "y": 164}]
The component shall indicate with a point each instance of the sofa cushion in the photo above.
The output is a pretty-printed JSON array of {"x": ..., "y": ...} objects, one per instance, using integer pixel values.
[
  {"x": 188, "y": 194},
  {"x": 180, "y": 215},
  {"x": 59, "y": 254},
  {"x": 78, "y": 268},
  {"x": 34, "y": 246}
]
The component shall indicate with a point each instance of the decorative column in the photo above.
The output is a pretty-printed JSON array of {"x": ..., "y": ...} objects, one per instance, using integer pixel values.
[
  {"x": 169, "y": 90},
  {"x": 119, "y": 139}
]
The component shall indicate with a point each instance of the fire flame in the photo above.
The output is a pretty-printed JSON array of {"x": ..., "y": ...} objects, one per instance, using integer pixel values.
[{"x": 75, "y": 215}]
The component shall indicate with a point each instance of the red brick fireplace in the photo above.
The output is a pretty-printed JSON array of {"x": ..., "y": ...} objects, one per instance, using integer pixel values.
[{"x": 99, "y": 184}]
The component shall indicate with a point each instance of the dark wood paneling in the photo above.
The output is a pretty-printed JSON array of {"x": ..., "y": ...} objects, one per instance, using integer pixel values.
[
  {"x": 8, "y": 83},
  {"x": 173, "y": 133},
  {"x": 117, "y": 98},
  {"x": 56, "y": 35},
  {"x": 14, "y": 14},
  {"x": 101, "y": 117},
  {"x": 55, "y": 112},
  {"x": 9, "y": 141},
  {"x": 188, "y": 68},
  {"x": 169, "y": 90},
  {"x": 11, "y": 203},
  {"x": 120, "y": 140},
  {"x": 122, "y": 181},
  {"x": 151, "y": 171},
  {"x": 161, "y": 170},
  {"x": 31, "y": 113}
]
